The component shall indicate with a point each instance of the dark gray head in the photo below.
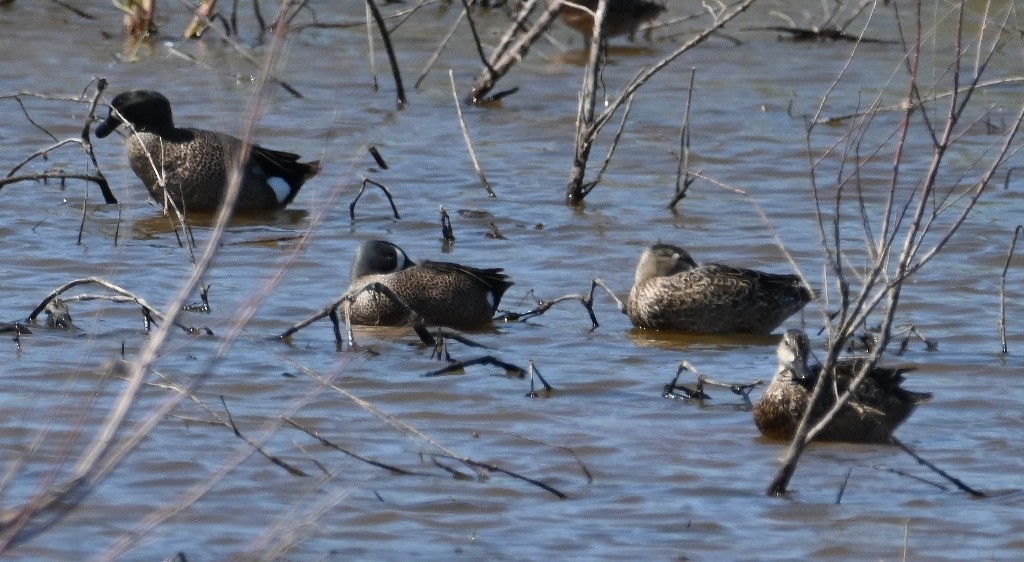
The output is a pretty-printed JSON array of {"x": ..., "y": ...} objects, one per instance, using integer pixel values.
[
  {"x": 146, "y": 110},
  {"x": 661, "y": 260},
  {"x": 379, "y": 257},
  {"x": 793, "y": 351}
]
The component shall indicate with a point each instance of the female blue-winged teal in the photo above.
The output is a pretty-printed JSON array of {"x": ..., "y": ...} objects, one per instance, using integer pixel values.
[
  {"x": 446, "y": 294},
  {"x": 194, "y": 163},
  {"x": 622, "y": 17},
  {"x": 672, "y": 292},
  {"x": 874, "y": 411}
]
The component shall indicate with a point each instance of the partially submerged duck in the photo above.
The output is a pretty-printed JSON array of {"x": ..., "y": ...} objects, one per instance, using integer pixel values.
[
  {"x": 671, "y": 292},
  {"x": 622, "y": 17},
  {"x": 191, "y": 166},
  {"x": 877, "y": 408},
  {"x": 442, "y": 293}
]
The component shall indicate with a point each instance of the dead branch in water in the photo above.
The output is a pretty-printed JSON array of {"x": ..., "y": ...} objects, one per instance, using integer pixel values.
[
  {"x": 897, "y": 243},
  {"x": 512, "y": 48},
  {"x": 327, "y": 443},
  {"x": 955, "y": 481},
  {"x": 459, "y": 366},
  {"x": 589, "y": 126},
  {"x": 1002, "y": 287},
  {"x": 331, "y": 311},
  {"x": 84, "y": 140},
  {"x": 294, "y": 471},
  {"x": 122, "y": 296},
  {"x": 362, "y": 188},
  {"x": 741, "y": 389},
  {"x": 586, "y": 300},
  {"x": 389, "y": 48}
]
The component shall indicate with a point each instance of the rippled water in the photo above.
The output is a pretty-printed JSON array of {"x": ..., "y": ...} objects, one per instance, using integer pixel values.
[{"x": 644, "y": 476}]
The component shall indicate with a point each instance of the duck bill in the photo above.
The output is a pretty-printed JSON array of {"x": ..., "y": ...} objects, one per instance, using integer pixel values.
[
  {"x": 107, "y": 126},
  {"x": 801, "y": 372}
]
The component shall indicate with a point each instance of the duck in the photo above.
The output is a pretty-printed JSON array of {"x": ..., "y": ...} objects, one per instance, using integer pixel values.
[
  {"x": 441, "y": 293},
  {"x": 194, "y": 163},
  {"x": 876, "y": 409},
  {"x": 622, "y": 17},
  {"x": 672, "y": 292}
]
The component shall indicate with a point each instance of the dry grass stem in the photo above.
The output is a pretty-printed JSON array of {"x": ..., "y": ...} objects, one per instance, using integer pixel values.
[{"x": 469, "y": 142}]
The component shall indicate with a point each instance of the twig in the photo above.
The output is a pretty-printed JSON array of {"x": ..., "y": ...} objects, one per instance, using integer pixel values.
[
  {"x": 535, "y": 372},
  {"x": 440, "y": 47},
  {"x": 458, "y": 366},
  {"x": 586, "y": 300},
  {"x": 683, "y": 177},
  {"x": 386, "y": 38},
  {"x": 324, "y": 441},
  {"x": 1002, "y": 287},
  {"x": 570, "y": 450},
  {"x": 495, "y": 468},
  {"x": 955, "y": 481},
  {"x": 294, "y": 471},
  {"x": 842, "y": 487},
  {"x": 362, "y": 188}
]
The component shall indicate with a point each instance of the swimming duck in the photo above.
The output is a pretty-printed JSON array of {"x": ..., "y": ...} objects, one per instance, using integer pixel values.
[
  {"x": 670, "y": 291},
  {"x": 194, "y": 163},
  {"x": 877, "y": 408},
  {"x": 622, "y": 17},
  {"x": 446, "y": 294}
]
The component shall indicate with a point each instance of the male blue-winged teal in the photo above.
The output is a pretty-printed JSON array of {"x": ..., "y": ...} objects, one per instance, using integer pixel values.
[
  {"x": 194, "y": 163},
  {"x": 446, "y": 294},
  {"x": 671, "y": 292},
  {"x": 875, "y": 410},
  {"x": 622, "y": 17}
]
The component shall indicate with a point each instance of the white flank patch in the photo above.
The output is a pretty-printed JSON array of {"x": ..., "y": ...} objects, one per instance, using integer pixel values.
[
  {"x": 280, "y": 187},
  {"x": 490, "y": 300}
]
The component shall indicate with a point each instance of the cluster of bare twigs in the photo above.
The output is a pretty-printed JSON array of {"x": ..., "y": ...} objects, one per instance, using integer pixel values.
[{"x": 914, "y": 223}]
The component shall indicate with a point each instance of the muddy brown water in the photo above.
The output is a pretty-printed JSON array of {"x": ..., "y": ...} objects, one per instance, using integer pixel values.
[{"x": 662, "y": 479}]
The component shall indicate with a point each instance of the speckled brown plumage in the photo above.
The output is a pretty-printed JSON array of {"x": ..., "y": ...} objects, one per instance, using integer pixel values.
[
  {"x": 194, "y": 163},
  {"x": 622, "y": 17},
  {"x": 671, "y": 292},
  {"x": 877, "y": 408},
  {"x": 445, "y": 294}
]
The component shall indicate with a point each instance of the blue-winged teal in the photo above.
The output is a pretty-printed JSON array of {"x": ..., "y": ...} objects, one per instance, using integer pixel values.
[
  {"x": 622, "y": 17},
  {"x": 445, "y": 294},
  {"x": 672, "y": 292},
  {"x": 875, "y": 410},
  {"x": 194, "y": 162}
]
